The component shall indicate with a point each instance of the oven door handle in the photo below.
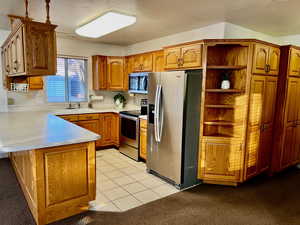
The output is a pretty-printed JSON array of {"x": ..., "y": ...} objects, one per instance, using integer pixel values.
[{"x": 129, "y": 117}]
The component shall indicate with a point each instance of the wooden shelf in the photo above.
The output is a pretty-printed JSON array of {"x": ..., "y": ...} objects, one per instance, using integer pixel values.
[
  {"x": 224, "y": 90},
  {"x": 219, "y": 123},
  {"x": 220, "y": 106},
  {"x": 224, "y": 67}
]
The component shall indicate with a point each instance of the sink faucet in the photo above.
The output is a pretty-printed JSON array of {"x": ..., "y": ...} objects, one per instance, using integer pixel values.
[{"x": 70, "y": 106}]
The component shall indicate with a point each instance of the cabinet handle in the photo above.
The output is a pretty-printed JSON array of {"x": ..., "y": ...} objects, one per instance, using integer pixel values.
[
  {"x": 266, "y": 68},
  {"x": 16, "y": 67},
  {"x": 7, "y": 68}
]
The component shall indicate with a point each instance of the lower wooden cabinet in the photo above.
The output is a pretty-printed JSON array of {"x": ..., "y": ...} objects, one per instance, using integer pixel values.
[
  {"x": 221, "y": 160},
  {"x": 143, "y": 139},
  {"x": 104, "y": 124}
]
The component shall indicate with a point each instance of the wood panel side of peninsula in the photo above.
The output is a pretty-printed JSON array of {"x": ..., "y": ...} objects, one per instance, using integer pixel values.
[{"x": 57, "y": 182}]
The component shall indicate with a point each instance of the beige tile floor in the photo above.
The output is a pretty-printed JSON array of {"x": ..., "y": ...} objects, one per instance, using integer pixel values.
[{"x": 123, "y": 183}]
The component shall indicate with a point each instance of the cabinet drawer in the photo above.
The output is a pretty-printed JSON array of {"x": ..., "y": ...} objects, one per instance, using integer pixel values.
[
  {"x": 143, "y": 123},
  {"x": 70, "y": 118},
  {"x": 88, "y": 117}
]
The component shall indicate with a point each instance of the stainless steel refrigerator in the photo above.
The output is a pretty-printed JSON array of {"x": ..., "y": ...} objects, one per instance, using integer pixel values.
[{"x": 173, "y": 126}]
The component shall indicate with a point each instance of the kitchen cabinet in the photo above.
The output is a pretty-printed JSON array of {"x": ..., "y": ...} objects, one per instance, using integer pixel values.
[
  {"x": 286, "y": 149},
  {"x": 158, "y": 61},
  {"x": 143, "y": 62},
  {"x": 104, "y": 124},
  {"x": 260, "y": 124},
  {"x": 30, "y": 49},
  {"x": 221, "y": 160},
  {"x": 129, "y": 64},
  {"x": 110, "y": 132},
  {"x": 294, "y": 66},
  {"x": 109, "y": 73},
  {"x": 183, "y": 56},
  {"x": 35, "y": 83},
  {"x": 266, "y": 59},
  {"x": 237, "y": 124},
  {"x": 143, "y": 139},
  {"x": 116, "y": 77},
  {"x": 99, "y": 69}
]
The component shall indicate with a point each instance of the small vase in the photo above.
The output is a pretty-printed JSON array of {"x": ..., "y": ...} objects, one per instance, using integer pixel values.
[{"x": 225, "y": 84}]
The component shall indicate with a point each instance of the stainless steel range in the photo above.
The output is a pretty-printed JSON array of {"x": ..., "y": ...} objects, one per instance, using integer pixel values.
[{"x": 130, "y": 134}]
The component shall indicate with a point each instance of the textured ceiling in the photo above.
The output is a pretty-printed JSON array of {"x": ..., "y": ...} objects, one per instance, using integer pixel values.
[{"x": 157, "y": 18}]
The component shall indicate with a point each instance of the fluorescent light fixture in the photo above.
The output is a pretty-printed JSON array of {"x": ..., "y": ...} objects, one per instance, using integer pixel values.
[{"x": 105, "y": 24}]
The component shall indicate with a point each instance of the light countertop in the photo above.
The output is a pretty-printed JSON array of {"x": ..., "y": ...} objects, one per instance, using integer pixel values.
[{"x": 20, "y": 131}]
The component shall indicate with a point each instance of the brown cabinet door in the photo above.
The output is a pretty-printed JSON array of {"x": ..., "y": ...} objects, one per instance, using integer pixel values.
[
  {"x": 129, "y": 60},
  {"x": 172, "y": 58},
  {"x": 99, "y": 68},
  {"x": 273, "y": 61},
  {"x": 35, "y": 83},
  {"x": 294, "y": 67},
  {"x": 257, "y": 96},
  {"x": 158, "y": 61},
  {"x": 91, "y": 125},
  {"x": 143, "y": 143},
  {"x": 137, "y": 63},
  {"x": 289, "y": 146},
  {"x": 292, "y": 101},
  {"x": 108, "y": 131},
  {"x": 40, "y": 49},
  {"x": 221, "y": 160},
  {"x": 18, "y": 53},
  {"x": 260, "y": 59},
  {"x": 116, "y": 77},
  {"x": 268, "y": 112},
  {"x": 191, "y": 56},
  {"x": 147, "y": 62},
  {"x": 116, "y": 129},
  {"x": 269, "y": 103}
]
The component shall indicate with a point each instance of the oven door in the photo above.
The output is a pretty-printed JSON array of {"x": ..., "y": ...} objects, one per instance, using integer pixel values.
[{"x": 129, "y": 130}]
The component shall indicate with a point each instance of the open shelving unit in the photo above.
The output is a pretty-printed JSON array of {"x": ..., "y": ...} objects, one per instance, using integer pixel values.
[{"x": 223, "y": 108}]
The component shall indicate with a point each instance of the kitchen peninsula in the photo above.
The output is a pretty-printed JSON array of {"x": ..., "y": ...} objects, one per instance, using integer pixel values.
[{"x": 54, "y": 161}]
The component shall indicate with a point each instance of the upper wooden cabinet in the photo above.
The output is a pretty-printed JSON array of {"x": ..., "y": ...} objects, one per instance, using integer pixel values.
[
  {"x": 143, "y": 62},
  {"x": 129, "y": 64},
  {"x": 183, "y": 57},
  {"x": 116, "y": 77},
  {"x": 99, "y": 68},
  {"x": 109, "y": 73},
  {"x": 158, "y": 61},
  {"x": 266, "y": 59},
  {"x": 294, "y": 62},
  {"x": 30, "y": 49}
]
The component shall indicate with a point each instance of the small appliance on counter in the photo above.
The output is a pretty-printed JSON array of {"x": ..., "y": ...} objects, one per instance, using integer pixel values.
[
  {"x": 138, "y": 83},
  {"x": 130, "y": 133}
]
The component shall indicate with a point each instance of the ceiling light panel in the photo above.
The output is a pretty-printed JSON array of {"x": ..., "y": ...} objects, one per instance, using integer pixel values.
[{"x": 105, "y": 24}]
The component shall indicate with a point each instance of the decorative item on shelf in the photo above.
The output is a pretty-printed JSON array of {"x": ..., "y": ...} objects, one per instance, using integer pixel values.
[
  {"x": 119, "y": 101},
  {"x": 19, "y": 87},
  {"x": 225, "y": 84}
]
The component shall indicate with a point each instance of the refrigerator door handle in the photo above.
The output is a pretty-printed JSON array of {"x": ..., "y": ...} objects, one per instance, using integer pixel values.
[
  {"x": 156, "y": 114},
  {"x": 160, "y": 117}
]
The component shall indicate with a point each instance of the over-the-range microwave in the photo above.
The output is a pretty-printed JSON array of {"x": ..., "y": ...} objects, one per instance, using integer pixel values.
[{"x": 138, "y": 83}]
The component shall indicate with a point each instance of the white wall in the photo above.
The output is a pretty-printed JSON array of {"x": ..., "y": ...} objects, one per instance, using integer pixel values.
[
  {"x": 211, "y": 31},
  {"x": 235, "y": 31}
]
